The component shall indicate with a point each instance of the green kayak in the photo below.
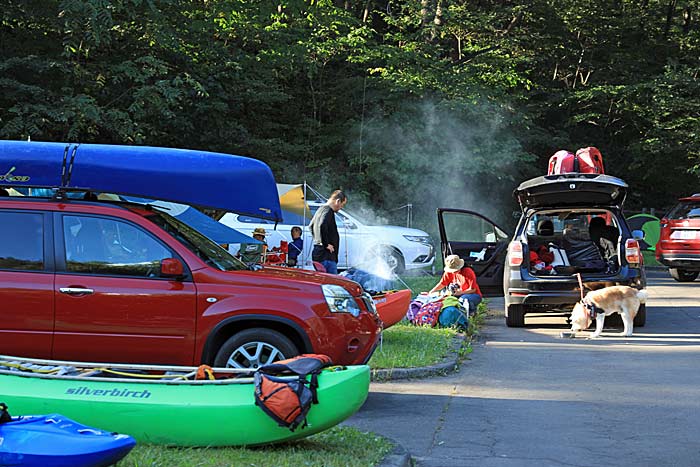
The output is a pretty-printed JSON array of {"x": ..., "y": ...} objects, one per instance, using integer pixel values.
[{"x": 164, "y": 406}]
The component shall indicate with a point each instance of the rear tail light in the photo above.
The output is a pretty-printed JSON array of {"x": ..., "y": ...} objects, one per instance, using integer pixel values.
[
  {"x": 515, "y": 253},
  {"x": 632, "y": 252}
]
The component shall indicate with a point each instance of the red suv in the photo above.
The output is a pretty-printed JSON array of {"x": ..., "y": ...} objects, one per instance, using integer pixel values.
[
  {"x": 120, "y": 282},
  {"x": 679, "y": 242}
]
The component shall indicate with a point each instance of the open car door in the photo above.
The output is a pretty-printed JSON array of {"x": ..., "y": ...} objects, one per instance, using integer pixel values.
[{"x": 479, "y": 242}]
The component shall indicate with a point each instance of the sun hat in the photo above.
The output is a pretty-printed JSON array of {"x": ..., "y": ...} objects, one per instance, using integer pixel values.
[
  {"x": 259, "y": 231},
  {"x": 453, "y": 263}
]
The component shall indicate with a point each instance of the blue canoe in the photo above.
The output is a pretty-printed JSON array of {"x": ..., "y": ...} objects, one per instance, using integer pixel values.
[
  {"x": 56, "y": 441},
  {"x": 201, "y": 178}
]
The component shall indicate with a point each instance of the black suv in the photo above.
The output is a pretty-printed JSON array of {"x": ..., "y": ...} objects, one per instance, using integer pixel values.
[{"x": 555, "y": 239}]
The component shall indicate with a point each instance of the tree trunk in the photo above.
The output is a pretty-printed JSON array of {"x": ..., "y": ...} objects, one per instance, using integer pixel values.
[
  {"x": 438, "y": 22},
  {"x": 643, "y": 10},
  {"x": 670, "y": 11},
  {"x": 425, "y": 12},
  {"x": 687, "y": 19},
  {"x": 368, "y": 8}
]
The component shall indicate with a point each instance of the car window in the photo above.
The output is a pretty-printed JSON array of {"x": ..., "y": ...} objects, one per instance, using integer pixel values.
[
  {"x": 96, "y": 245},
  {"x": 460, "y": 227},
  {"x": 685, "y": 210},
  {"x": 570, "y": 223},
  {"x": 254, "y": 220},
  {"x": 21, "y": 241}
]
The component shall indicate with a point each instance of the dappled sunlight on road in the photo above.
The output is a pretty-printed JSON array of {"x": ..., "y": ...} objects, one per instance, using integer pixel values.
[
  {"x": 631, "y": 344},
  {"x": 643, "y": 393}
]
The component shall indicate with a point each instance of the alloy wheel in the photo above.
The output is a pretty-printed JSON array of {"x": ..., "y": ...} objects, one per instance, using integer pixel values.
[{"x": 254, "y": 355}]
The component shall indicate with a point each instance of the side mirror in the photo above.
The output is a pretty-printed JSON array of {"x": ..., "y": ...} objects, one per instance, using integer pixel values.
[
  {"x": 350, "y": 225},
  {"x": 171, "y": 267},
  {"x": 638, "y": 234}
]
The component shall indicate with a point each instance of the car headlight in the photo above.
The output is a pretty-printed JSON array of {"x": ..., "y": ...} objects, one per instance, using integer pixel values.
[
  {"x": 417, "y": 238},
  {"x": 340, "y": 300}
]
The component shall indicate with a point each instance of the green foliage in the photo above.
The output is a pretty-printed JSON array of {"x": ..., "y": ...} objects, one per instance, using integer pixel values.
[{"x": 387, "y": 99}]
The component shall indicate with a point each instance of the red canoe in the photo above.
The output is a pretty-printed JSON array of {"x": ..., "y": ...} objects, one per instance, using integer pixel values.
[{"x": 392, "y": 305}]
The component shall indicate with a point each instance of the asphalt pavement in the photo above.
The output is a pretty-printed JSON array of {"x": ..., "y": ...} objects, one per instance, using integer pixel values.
[{"x": 527, "y": 397}]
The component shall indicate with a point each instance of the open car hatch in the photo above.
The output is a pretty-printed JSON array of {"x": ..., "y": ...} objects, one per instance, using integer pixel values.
[{"x": 571, "y": 190}]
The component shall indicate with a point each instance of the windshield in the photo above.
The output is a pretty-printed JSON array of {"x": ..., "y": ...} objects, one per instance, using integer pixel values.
[
  {"x": 685, "y": 210},
  {"x": 211, "y": 253},
  {"x": 341, "y": 216}
]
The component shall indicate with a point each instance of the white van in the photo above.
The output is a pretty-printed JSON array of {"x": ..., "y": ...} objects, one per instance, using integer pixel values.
[{"x": 361, "y": 245}]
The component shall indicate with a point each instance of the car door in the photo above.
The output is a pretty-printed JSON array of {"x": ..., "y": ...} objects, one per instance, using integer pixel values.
[
  {"x": 111, "y": 303},
  {"x": 479, "y": 242},
  {"x": 26, "y": 284}
]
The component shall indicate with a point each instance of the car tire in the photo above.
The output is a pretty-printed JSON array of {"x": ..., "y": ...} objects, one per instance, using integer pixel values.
[
  {"x": 516, "y": 316},
  {"x": 614, "y": 321},
  {"x": 252, "y": 348},
  {"x": 393, "y": 259},
  {"x": 681, "y": 275},
  {"x": 641, "y": 318}
]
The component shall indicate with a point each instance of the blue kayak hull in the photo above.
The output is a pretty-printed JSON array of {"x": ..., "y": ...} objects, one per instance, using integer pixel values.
[
  {"x": 209, "y": 179},
  {"x": 56, "y": 441}
]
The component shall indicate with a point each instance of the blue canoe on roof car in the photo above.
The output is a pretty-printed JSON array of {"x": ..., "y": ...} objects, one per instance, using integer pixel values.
[
  {"x": 56, "y": 441},
  {"x": 206, "y": 179}
]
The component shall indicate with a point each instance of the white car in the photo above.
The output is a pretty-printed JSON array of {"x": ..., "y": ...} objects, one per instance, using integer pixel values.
[{"x": 370, "y": 247}]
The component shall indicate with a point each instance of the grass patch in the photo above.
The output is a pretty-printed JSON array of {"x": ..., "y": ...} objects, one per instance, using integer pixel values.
[
  {"x": 407, "y": 346},
  {"x": 339, "y": 446},
  {"x": 420, "y": 283}
]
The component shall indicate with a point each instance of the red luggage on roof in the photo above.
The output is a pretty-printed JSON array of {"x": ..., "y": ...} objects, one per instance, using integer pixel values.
[{"x": 586, "y": 160}]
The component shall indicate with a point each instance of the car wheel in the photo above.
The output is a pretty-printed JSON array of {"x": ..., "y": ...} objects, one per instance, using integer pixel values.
[
  {"x": 641, "y": 318},
  {"x": 253, "y": 348},
  {"x": 516, "y": 316},
  {"x": 613, "y": 321},
  {"x": 681, "y": 275},
  {"x": 393, "y": 259}
]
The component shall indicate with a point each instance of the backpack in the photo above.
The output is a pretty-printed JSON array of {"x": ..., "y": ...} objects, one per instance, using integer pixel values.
[
  {"x": 454, "y": 316},
  {"x": 288, "y": 400},
  {"x": 591, "y": 160},
  {"x": 428, "y": 314}
]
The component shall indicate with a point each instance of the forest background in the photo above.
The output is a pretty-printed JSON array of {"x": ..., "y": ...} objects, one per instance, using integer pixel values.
[{"x": 436, "y": 103}]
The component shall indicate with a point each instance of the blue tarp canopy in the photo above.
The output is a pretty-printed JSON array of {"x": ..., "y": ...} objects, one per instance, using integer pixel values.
[
  {"x": 213, "y": 229},
  {"x": 208, "y": 179}
]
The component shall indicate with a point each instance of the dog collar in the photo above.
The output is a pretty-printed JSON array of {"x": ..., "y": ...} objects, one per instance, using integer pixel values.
[{"x": 592, "y": 308}]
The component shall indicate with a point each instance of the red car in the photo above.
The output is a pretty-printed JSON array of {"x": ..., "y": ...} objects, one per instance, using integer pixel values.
[
  {"x": 679, "y": 242},
  {"x": 120, "y": 282}
]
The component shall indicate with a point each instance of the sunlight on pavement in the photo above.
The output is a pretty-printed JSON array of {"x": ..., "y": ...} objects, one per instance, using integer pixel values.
[{"x": 635, "y": 343}]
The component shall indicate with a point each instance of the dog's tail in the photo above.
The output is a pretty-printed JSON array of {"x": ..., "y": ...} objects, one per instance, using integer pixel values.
[{"x": 642, "y": 295}]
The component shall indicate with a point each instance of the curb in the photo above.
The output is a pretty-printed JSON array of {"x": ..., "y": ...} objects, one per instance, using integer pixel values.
[
  {"x": 398, "y": 457},
  {"x": 448, "y": 365},
  {"x": 656, "y": 268}
]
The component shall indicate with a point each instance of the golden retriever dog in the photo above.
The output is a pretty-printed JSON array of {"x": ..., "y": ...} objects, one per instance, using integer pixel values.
[{"x": 603, "y": 302}]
